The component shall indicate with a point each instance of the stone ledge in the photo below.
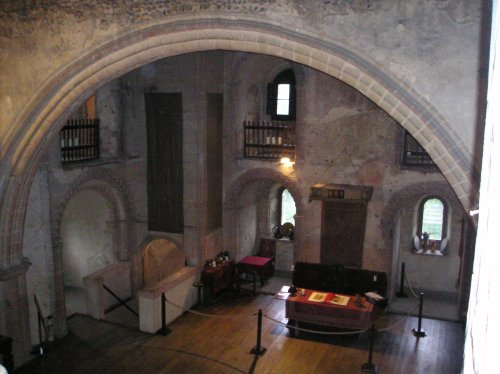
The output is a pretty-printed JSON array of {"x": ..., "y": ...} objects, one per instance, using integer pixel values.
[{"x": 15, "y": 271}]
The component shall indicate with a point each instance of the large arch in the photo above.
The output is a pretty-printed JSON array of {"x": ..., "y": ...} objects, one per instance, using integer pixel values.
[
  {"x": 33, "y": 131},
  {"x": 40, "y": 121}
]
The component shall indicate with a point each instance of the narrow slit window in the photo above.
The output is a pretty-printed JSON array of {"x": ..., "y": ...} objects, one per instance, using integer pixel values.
[
  {"x": 432, "y": 218},
  {"x": 288, "y": 208},
  {"x": 283, "y": 104},
  {"x": 282, "y": 97}
]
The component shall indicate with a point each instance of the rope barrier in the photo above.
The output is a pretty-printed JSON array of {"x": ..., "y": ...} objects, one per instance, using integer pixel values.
[
  {"x": 410, "y": 287},
  {"x": 290, "y": 326},
  {"x": 258, "y": 350},
  {"x": 356, "y": 332},
  {"x": 408, "y": 315},
  {"x": 316, "y": 331},
  {"x": 210, "y": 315}
]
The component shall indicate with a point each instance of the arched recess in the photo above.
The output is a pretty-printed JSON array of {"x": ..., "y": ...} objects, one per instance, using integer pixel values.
[
  {"x": 235, "y": 191},
  {"x": 137, "y": 259},
  {"x": 394, "y": 236},
  {"x": 101, "y": 182},
  {"x": 36, "y": 127}
]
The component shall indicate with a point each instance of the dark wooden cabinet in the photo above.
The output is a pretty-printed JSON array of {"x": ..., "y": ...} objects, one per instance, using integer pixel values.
[{"x": 217, "y": 280}]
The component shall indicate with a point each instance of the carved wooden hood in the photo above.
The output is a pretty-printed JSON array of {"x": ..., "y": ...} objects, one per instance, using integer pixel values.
[{"x": 322, "y": 191}]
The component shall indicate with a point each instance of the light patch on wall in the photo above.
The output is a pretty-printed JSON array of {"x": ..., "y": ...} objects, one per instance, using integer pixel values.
[{"x": 87, "y": 237}]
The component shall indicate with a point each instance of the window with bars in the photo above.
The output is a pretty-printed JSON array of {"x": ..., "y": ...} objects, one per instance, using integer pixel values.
[
  {"x": 79, "y": 140},
  {"x": 414, "y": 154},
  {"x": 269, "y": 139}
]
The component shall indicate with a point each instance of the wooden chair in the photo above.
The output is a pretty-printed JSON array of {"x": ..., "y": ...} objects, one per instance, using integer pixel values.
[
  {"x": 267, "y": 248},
  {"x": 260, "y": 265}
]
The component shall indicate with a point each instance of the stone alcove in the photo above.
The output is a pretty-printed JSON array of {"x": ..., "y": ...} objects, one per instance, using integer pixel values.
[{"x": 250, "y": 214}]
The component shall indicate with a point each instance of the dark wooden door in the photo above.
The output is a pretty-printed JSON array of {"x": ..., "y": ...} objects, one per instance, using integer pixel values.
[
  {"x": 342, "y": 233},
  {"x": 165, "y": 169}
]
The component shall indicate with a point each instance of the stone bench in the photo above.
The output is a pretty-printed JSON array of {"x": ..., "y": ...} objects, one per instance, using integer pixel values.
[
  {"x": 117, "y": 278},
  {"x": 165, "y": 271}
]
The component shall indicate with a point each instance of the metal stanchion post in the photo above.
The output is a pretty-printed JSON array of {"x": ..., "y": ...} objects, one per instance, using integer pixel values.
[
  {"x": 199, "y": 285},
  {"x": 40, "y": 347},
  {"x": 164, "y": 329},
  {"x": 369, "y": 367},
  {"x": 401, "y": 292},
  {"x": 419, "y": 333},
  {"x": 258, "y": 350}
]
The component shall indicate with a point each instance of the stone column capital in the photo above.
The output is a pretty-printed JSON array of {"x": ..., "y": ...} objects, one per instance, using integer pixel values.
[{"x": 16, "y": 270}]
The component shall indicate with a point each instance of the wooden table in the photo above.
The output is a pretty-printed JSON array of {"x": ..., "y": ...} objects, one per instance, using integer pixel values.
[
  {"x": 351, "y": 316},
  {"x": 257, "y": 265},
  {"x": 217, "y": 280}
]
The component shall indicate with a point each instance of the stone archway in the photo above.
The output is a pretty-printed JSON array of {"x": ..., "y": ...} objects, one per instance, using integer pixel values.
[
  {"x": 138, "y": 47},
  {"x": 30, "y": 135},
  {"x": 102, "y": 183},
  {"x": 235, "y": 191},
  {"x": 394, "y": 237}
]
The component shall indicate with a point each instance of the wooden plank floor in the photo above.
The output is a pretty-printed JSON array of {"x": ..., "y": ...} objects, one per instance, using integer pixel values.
[{"x": 199, "y": 344}]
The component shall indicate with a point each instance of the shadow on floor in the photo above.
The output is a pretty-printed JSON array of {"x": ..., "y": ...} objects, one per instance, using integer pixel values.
[{"x": 433, "y": 307}]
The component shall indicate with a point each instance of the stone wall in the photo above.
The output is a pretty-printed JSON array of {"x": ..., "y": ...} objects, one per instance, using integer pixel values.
[
  {"x": 343, "y": 138},
  {"x": 407, "y": 57},
  {"x": 121, "y": 171}
]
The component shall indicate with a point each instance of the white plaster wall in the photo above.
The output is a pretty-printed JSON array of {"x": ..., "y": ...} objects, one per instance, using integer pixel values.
[
  {"x": 87, "y": 237},
  {"x": 483, "y": 322}
]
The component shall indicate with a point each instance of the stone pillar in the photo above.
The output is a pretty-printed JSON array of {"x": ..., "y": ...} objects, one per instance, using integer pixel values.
[
  {"x": 60, "y": 326},
  {"x": 14, "y": 301},
  {"x": 230, "y": 224},
  {"x": 297, "y": 237}
]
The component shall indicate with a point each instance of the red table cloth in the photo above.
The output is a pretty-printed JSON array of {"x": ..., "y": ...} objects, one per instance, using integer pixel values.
[
  {"x": 255, "y": 261},
  {"x": 257, "y": 265},
  {"x": 350, "y": 316}
]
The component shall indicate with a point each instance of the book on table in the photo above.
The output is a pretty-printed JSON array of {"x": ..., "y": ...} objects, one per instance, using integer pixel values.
[
  {"x": 317, "y": 297},
  {"x": 340, "y": 300}
]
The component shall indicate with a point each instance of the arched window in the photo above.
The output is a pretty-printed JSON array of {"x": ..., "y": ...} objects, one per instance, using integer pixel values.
[
  {"x": 432, "y": 216},
  {"x": 286, "y": 207},
  {"x": 281, "y": 97}
]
